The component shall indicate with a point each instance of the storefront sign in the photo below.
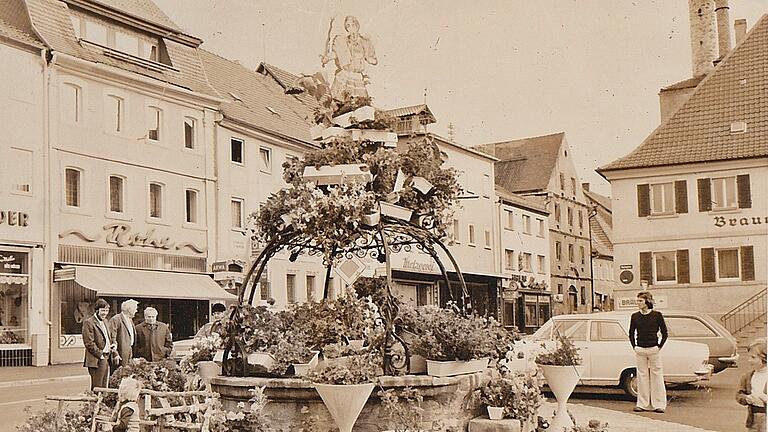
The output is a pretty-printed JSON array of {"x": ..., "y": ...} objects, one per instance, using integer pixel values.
[
  {"x": 121, "y": 235},
  {"x": 12, "y": 262},
  {"x": 659, "y": 302},
  {"x": 412, "y": 264},
  {"x": 14, "y": 218},
  {"x": 721, "y": 221}
]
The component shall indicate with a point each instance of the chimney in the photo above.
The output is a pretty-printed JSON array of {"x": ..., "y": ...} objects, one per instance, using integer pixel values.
[
  {"x": 585, "y": 186},
  {"x": 740, "y": 28},
  {"x": 703, "y": 36},
  {"x": 723, "y": 27}
]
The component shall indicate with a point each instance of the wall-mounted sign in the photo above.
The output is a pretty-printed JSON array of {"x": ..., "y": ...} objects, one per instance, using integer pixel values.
[
  {"x": 71, "y": 341},
  {"x": 721, "y": 221},
  {"x": 626, "y": 277},
  {"x": 14, "y": 218},
  {"x": 659, "y": 302},
  {"x": 626, "y": 267},
  {"x": 413, "y": 264},
  {"x": 122, "y": 235},
  {"x": 13, "y": 262}
]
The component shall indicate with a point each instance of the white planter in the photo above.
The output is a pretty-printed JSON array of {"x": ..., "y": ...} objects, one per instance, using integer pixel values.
[
  {"x": 395, "y": 211},
  {"x": 453, "y": 368},
  {"x": 422, "y": 185},
  {"x": 208, "y": 370},
  {"x": 495, "y": 413},
  {"x": 304, "y": 368},
  {"x": 372, "y": 219},
  {"x": 356, "y": 344},
  {"x": 561, "y": 380},
  {"x": 344, "y": 402}
]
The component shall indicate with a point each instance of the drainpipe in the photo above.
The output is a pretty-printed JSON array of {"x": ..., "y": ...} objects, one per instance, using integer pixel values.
[
  {"x": 592, "y": 213},
  {"x": 48, "y": 60}
]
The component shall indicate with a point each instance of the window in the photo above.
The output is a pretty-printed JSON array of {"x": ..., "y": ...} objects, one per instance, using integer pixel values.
[
  {"x": 190, "y": 199},
  {"x": 488, "y": 242},
  {"x": 558, "y": 250},
  {"x": 570, "y": 252},
  {"x": 189, "y": 133},
  {"x": 665, "y": 266},
  {"x": 570, "y": 216},
  {"x": 559, "y": 288},
  {"x": 149, "y": 50},
  {"x": 727, "y": 263},
  {"x": 290, "y": 287},
  {"x": 116, "y": 198},
  {"x": 557, "y": 212},
  {"x": 576, "y": 330},
  {"x": 724, "y": 193},
  {"x": 562, "y": 181},
  {"x": 265, "y": 290},
  {"x": 509, "y": 219},
  {"x": 683, "y": 327},
  {"x": 310, "y": 287},
  {"x": 265, "y": 157},
  {"x": 154, "y": 118},
  {"x": 581, "y": 219},
  {"x": 527, "y": 262},
  {"x": 236, "y": 150},
  {"x": 95, "y": 32},
  {"x": 471, "y": 240},
  {"x": 540, "y": 222},
  {"x": 583, "y": 255},
  {"x": 115, "y": 114},
  {"x": 608, "y": 331},
  {"x": 456, "y": 231},
  {"x": 526, "y": 224},
  {"x": 542, "y": 264},
  {"x": 573, "y": 185},
  {"x": 77, "y": 23},
  {"x": 72, "y": 103},
  {"x": 237, "y": 213},
  {"x": 155, "y": 200},
  {"x": 509, "y": 259},
  {"x": 662, "y": 198},
  {"x": 127, "y": 43},
  {"x": 486, "y": 185},
  {"x": 72, "y": 187},
  {"x": 583, "y": 295}
]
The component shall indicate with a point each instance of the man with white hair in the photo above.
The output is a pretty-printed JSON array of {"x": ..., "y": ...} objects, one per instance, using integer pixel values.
[
  {"x": 153, "y": 338},
  {"x": 123, "y": 332}
]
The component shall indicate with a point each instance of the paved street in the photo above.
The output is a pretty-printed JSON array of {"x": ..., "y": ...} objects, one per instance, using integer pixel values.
[
  {"x": 13, "y": 399},
  {"x": 713, "y": 407}
]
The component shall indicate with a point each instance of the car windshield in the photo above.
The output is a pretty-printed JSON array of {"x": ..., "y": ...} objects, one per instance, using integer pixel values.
[{"x": 544, "y": 332}]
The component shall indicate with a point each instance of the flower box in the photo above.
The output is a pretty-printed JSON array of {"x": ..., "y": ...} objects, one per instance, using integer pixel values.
[
  {"x": 395, "y": 211},
  {"x": 388, "y": 138},
  {"x": 422, "y": 185},
  {"x": 303, "y": 368},
  {"x": 360, "y": 115},
  {"x": 372, "y": 219},
  {"x": 338, "y": 174},
  {"x": 453, "y": 368}
]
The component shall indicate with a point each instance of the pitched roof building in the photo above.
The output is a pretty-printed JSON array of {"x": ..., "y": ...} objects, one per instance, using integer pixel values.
[{"x": 691, "y": 218}]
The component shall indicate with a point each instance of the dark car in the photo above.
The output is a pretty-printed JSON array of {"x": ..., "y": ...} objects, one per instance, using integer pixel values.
[{"x": 699, "y": 327}]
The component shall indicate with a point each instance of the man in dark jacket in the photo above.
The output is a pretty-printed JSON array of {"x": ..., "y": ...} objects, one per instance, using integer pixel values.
[
  {"x": 644, "y": 328},
  {"x": 98, "y": 345},
  {"x": 123, "y": 332},
  {"x": 153, "y": 338}
]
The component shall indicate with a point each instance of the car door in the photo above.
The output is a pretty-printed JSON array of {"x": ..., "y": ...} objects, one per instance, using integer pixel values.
[
  {"x": 610, "y": 351},
  {"x": 576, "y": 331}
]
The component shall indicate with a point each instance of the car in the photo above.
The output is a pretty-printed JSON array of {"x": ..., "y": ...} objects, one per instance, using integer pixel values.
[
  {"x": 699, "y": 327},
  {"x": 607, "y": 356}
]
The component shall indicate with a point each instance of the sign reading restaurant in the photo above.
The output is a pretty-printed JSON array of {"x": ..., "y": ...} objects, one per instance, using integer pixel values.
[{"x": 122, "y": 235}]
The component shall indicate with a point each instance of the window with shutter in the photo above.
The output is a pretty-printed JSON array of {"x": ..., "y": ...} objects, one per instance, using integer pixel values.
[
  {"x": 705, "y": 194},
  {"x": 727, "y": 264},
  {"x": 664, "y": 264},
  {"x": 643, "y": 200},
  {"x": 683, "y": 270},
  {"x": 747, "y": 263},
  {"x": 646, "y": 267},
  {"x": 707, "y": 265},
  {"x": 744, "y": 191},
  {"x": 681, "y": 196}
]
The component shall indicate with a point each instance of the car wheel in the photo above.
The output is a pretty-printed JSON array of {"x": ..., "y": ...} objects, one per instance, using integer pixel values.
[{"x": 629, "y": 383}]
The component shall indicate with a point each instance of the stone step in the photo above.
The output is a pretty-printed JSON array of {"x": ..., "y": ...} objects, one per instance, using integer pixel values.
[{"x": 484, "y": 424}]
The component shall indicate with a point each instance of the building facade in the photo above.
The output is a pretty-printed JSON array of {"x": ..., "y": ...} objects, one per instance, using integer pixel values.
[
  {"x": 601, "y": 235},
  {"x": 690, "y": 211}
]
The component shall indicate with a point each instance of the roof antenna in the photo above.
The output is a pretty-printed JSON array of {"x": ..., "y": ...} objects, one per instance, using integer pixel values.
[
  {"x": 425, "y": 95},
  {"x": 263, "y": 42}
]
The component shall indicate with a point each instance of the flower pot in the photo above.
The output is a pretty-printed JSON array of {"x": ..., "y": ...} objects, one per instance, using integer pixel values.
[
  {"x": 304, "y": 368},
  {"x": 208, "y": 370},
  {"x": 561, "y": 380},
  {"x": 344, "y": 402},
  {"x": 395, "y": 211},
  {"x": 219, "y": 356},
  {"x": 452, "y": 368},
  {"x": 495, "y": 413}
]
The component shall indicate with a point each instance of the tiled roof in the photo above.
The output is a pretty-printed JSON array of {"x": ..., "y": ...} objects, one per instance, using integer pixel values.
[
  {"x": 700, "y": 130},
  {"x": 255, "y": 99},
  {"x": 598, "y": 199},
  {"x": 684, "y": 84},
  {"x": 520, "y": 200},
  {"x": 525, "y": 165},
  {"x": 15, "y": 25},
  {"x": 411, "y": 110},
  {"x": 145, "y": 10},
  {"x": 8, "y": 30},
  {"x": 601, "y": 223},
  {"x": 51, "y": 19}
]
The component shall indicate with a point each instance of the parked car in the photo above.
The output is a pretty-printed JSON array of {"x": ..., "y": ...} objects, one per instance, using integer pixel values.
[
  {"x": 608, "y": 359},
  {"x": 699, "y": 327}
]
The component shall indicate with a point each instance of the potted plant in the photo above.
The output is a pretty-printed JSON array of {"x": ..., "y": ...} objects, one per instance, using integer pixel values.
[
  {"x": 562, "y": 372},
  {"x": 453, "y": 344},
  {"x": 494, "y": 395},
  {"x": 516, "y": 394},
  {"x": 292, "y": 352},
  {"x": 201, "y": 356},
  {"x": 345, "y": 387}
]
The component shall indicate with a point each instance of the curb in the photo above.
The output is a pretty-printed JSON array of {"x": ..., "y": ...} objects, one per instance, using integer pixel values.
[{"x": 8, "y": 384}]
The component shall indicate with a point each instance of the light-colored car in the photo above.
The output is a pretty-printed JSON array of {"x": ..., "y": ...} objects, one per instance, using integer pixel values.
[{"x": 607, "y": 356}]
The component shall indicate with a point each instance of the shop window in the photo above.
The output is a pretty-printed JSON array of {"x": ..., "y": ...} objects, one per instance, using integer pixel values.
[
  {"x": 290, "y": 287},
  {"x": 72, "y": 179},
  {"x": 236, "y": 150},
  {"x": 116, "y": 198},
  {"x": 509, "y": 314},
  {"x": 14, "y": 298},
  {"x": 189, "y": 133},
  {"x": 76, "y": 305}
]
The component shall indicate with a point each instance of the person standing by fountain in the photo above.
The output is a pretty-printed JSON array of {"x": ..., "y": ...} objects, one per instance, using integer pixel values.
[{"x": 644, "y": 328}]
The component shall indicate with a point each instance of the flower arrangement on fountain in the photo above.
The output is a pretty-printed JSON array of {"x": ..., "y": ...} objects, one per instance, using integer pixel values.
[
  {"x": 517, "y": 393},
  {"x": 561, "y": 368},
  {"x": 565, "y": 353},
  {"x": 203, "y": 348}
]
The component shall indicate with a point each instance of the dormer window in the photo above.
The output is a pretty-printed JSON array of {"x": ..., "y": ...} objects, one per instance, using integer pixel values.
[{"x": 124, "y": 40}]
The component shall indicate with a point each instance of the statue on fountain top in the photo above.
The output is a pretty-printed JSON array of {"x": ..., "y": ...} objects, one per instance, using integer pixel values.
[{"x": 350, "y": 53}]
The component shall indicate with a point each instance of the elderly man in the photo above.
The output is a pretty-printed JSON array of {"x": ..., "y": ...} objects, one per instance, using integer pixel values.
[
  {"x": 98, "y": 345},
  {"x": 153, "y": 338},
  {"x": 123, "y": 332}
]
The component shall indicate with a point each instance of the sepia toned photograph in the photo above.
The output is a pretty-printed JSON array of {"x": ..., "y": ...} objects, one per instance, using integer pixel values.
[{"x": 383, "y": 215}]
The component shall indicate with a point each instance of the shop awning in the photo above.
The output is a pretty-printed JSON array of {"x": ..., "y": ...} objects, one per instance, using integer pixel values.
[{"x": 149, "y": 284}]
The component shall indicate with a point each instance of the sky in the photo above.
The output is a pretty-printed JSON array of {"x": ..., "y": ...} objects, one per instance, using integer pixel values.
[{"x": 495, "y": 69}]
